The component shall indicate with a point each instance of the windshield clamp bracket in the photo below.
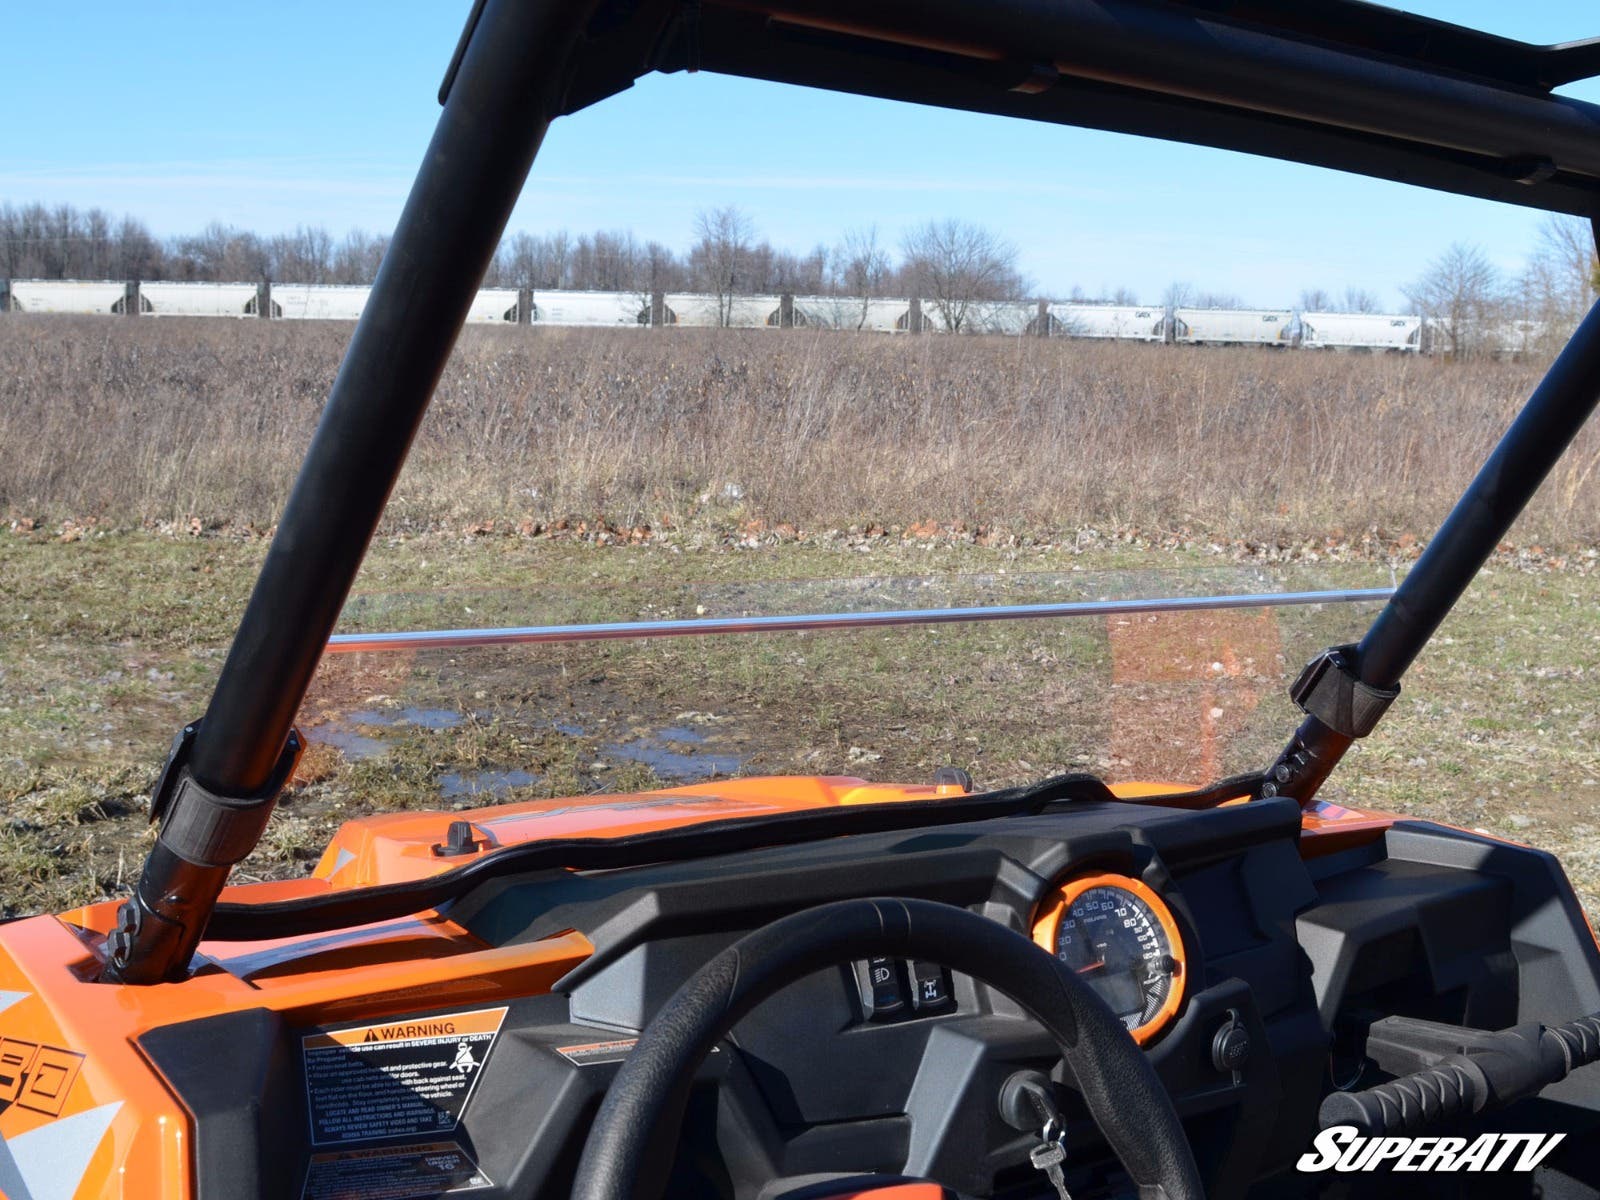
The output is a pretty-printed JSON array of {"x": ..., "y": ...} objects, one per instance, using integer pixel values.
[
  {"x": 167, "y": 781},
  {"x": 203, "y": 827},
  {"x": 1330, "y": 690}
]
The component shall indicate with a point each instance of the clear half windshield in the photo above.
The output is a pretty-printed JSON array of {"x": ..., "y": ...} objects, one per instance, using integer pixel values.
[{"x": 1139, "y": 687}]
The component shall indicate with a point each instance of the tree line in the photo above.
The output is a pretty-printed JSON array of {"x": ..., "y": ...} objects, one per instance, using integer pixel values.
[
  {"x": 1476, "y": 309},
  {"x": 952, "y": 264},
  {"x": 62, "y": 242}
]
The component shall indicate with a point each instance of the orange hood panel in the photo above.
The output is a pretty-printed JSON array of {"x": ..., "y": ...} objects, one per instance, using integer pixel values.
[{"x": 386, "y": 849}]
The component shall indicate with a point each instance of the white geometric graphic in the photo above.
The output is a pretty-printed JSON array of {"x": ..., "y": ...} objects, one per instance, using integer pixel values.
[{"x": 48, "y": 1163}]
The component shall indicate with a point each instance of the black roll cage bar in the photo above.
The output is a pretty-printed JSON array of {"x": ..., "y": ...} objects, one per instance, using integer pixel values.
[{"x": 1335, "y": 83}]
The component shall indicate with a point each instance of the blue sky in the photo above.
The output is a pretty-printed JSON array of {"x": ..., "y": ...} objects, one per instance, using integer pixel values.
[{"x": 272, "y": 116}]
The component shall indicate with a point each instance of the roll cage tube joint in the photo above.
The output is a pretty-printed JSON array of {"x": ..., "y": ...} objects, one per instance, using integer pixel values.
[
  {"x": 507, "y": 81},
  {"x": 1346, "y": 690}
]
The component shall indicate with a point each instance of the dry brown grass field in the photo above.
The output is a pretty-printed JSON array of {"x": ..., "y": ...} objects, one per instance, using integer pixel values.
[
  {"x": 129, "y": 422},
  {"x": 768, "y": 466}
]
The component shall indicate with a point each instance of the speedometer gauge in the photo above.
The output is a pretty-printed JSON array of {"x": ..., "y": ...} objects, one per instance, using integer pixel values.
[{"x": 1121, "y": 939}]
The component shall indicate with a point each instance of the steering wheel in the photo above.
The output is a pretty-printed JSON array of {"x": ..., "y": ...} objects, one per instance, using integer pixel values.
[{"x": 631, "y": 1142}]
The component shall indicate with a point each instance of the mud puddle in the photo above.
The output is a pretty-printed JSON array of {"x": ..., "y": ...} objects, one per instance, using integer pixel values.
[
  {"x": 364, "y": 732},
  {"x": 458, "y": 785},
  {"x": 676, "y": 753}
]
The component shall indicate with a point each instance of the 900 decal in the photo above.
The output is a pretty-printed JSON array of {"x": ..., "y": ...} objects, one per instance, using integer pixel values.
[{"x": 36, "y": 1076}]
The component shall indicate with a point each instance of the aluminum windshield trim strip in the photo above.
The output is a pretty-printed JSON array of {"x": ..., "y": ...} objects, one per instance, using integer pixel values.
[{"x": 355, "y": 643}]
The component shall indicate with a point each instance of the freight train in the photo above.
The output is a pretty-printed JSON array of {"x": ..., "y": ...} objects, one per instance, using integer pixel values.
[{"x": 1278, "y": 328}]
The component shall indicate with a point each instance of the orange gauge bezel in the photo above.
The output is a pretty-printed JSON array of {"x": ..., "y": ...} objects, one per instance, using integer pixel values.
[{"x": 1056, "y": 902}]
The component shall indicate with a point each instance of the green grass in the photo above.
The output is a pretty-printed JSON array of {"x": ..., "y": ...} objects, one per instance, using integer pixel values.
[{"x": 113, "y": 642}]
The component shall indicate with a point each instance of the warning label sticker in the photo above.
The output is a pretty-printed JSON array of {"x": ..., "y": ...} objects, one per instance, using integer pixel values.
[
  {"x": 598, "y": 1052},
  {"x": 400, "y": 1079},
  {"x": 593, "y": 1053},
  {"x": 393, "y": 1173}
]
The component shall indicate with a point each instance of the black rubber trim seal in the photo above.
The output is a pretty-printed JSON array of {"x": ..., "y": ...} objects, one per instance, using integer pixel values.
[
  {"x": 1251, "y": 785},
  {"x": 383, "y": 902},
  {"x": 629, "y": 1152},
  {"x": 359, "y": 906}
]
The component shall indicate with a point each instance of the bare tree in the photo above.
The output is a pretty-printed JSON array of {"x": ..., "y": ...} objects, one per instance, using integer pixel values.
[
  {"x": 217, "y": 253},
  {"x": 357, "y": 258},
  {"x": 552, "y": 261},
  {"x": 138, "y": 254},
  {"x": 552, "y": 258},
  {"x": 1560, "y": 281},
  {"x": 63, "y": 243},
  {"x": 660, "y": 269},
  {"x": 1568, "y": 245},
  {"x": 1315, "y": 300},
  {"x": 1461, "y": 293},
  {"x": 513, "y": 262},
  {"x": 304, "y": 256},
  {"x": 1359, "y": 300},
  {"x": 1178, "y": 294},
  {"x": 812, "y": 276},
  {"x": 720, "y": 259},
  {"x": 786, "y": 271},
  {"x": 863, "y": 267},
  {"x": 957, "y": 266}
]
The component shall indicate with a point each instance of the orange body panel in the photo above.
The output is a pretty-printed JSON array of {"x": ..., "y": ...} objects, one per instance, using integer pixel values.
[
  {"x": 385, "y": 849},
  {"x": 68, "y": 1046},
  {"x": 1327, "y": 828},
  {"x": 404, "y": 966}
]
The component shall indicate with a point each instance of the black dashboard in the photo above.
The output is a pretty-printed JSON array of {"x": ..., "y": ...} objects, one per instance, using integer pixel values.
[{"x": 1284, "y": 962}]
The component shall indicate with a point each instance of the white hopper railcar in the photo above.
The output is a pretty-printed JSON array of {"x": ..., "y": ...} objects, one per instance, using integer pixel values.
[
  {"x": 1512, "y": 337},
  {"x": 67, "y": 295},
  {"x": 1520, "y": 336},
  {"x": 704, "y": 311},
  {"x": 171, "y": 299},
  {"x": 828, "y": 312},
  {"x": 1233, "y": 326},
  {"x": 1010, "y": 317},
  {"x": 627, "y": 310},
  {"x": 318, "y": 301},
  {"x": 493, "y": 306},
  {"x": 1360, "y": 331},
  {"x": 1117, "y": 322},
  {"x": 849, "y": 312}
]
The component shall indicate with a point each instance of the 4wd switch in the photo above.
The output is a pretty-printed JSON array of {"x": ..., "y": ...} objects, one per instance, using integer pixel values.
[{"x": 930, "y": 987}]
